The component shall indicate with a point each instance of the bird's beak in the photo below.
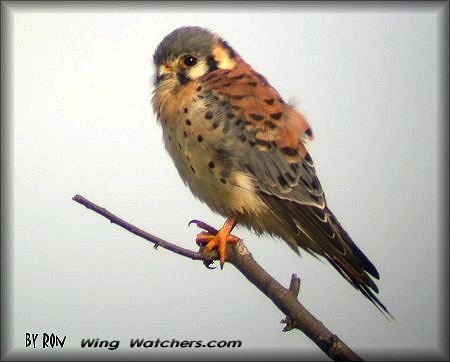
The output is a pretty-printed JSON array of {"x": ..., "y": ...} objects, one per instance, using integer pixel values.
[{"x": 164, "y": 71}]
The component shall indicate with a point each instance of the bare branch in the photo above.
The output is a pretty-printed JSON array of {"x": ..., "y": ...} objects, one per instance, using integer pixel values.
[
  {"x": 143, "y": 234},
  {"x": 285, "y": 299}
]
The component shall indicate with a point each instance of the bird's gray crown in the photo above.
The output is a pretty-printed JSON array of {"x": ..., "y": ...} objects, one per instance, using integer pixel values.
[{"x": 186, "y": 39}]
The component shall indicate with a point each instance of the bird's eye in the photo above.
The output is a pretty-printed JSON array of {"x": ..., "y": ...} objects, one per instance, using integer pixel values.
[{"x": 189, "y": 60}]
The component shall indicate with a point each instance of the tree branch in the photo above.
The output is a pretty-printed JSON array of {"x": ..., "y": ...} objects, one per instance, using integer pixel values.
[{"x": 297, "y": 316}]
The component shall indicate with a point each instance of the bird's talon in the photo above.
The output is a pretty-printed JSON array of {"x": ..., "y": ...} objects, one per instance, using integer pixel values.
[
  {"x": 203, "y": 225},
  {"x": 211, "y": 239},
  {"x": 290, "y": 324},
  {"x": 208, "y": 263},
  {"x": 193, "y": 221}
]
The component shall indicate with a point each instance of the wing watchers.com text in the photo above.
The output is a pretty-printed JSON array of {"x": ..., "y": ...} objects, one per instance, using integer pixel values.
[{"x": 158, "y": 343}]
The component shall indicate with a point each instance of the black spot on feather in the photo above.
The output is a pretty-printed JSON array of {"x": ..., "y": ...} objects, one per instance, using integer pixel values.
[
  {"x": 238, "y": 96},
  {"x": 315, "y": 183},
  {"x": 256, "y": 117},
  {"x": 282, "y": 181},
  {"x": 294, "y": 167},
  {"x": 242, "y": 138},
  {"x": 263, "y": 143},
  {"x": 270, "y": 124},
  {"x": 289, "y": 151},
  {"x": 289, "y": 176},
  {"x": 276, "y": 115}
]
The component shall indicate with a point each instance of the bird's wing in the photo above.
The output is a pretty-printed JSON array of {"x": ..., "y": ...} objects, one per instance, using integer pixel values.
[
  {"x": 272, "y": 131},
  {"x": 272, "y": 134}
]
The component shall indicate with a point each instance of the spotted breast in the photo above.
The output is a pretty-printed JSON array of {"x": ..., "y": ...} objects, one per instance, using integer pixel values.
[{"x": 202, "y": 135}]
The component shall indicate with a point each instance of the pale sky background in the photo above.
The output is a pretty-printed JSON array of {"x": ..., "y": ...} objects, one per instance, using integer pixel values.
[{"x": 81, "y": 122}]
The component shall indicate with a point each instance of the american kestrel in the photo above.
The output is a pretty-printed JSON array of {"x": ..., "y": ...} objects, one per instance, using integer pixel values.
[{"x": 241, "y": 149}]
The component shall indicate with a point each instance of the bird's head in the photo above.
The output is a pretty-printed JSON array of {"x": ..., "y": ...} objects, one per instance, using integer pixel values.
[{"x": 190, "y": 52}]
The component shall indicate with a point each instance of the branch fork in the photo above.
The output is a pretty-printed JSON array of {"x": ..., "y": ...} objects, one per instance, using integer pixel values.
[{"x": 294, "y": 288}]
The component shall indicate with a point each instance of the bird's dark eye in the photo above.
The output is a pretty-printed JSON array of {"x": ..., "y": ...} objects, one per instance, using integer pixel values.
[{"x": 189, "y": 60}]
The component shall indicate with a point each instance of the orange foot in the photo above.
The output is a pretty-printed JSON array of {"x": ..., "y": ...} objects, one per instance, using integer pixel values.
[{"x": 216, "y": 239}]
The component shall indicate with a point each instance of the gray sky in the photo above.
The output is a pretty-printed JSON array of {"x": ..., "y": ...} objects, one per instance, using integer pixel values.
[{"x": 367, "y": 81}]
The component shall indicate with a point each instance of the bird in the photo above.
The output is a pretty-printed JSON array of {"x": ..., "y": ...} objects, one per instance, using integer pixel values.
[{"x": 242, "y": 150}]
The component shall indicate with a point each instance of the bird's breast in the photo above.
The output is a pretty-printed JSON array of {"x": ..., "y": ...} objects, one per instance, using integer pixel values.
[{"x": 206, "y": 154}]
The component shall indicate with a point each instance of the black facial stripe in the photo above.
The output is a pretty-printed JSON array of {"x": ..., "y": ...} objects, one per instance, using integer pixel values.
[
  {"x": 231, "y": 52},
  {"x": 183, "y": 78},
  {"x": 211, "y": 62}
]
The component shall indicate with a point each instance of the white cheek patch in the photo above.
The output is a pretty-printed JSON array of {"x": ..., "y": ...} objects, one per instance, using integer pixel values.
[{"x": 201, "y": 68}]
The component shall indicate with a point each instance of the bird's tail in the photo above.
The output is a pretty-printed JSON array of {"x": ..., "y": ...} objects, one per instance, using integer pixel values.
[
  {"x": 360, "y": 281},
  {"x": 356, "y": 268},
  {"x": 318, "y": 231}
]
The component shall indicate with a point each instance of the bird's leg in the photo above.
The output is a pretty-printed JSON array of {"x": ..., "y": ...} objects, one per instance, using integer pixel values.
[{"x": 213, "y": 239}]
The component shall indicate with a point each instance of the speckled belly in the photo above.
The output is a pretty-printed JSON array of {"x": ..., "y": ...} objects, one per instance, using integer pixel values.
[{"x": 205, "y": 153}]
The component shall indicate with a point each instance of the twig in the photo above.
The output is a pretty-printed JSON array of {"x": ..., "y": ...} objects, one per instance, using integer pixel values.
[
  {"x": 238, "y": 255},
  {"x": 294, "y": 288}
]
